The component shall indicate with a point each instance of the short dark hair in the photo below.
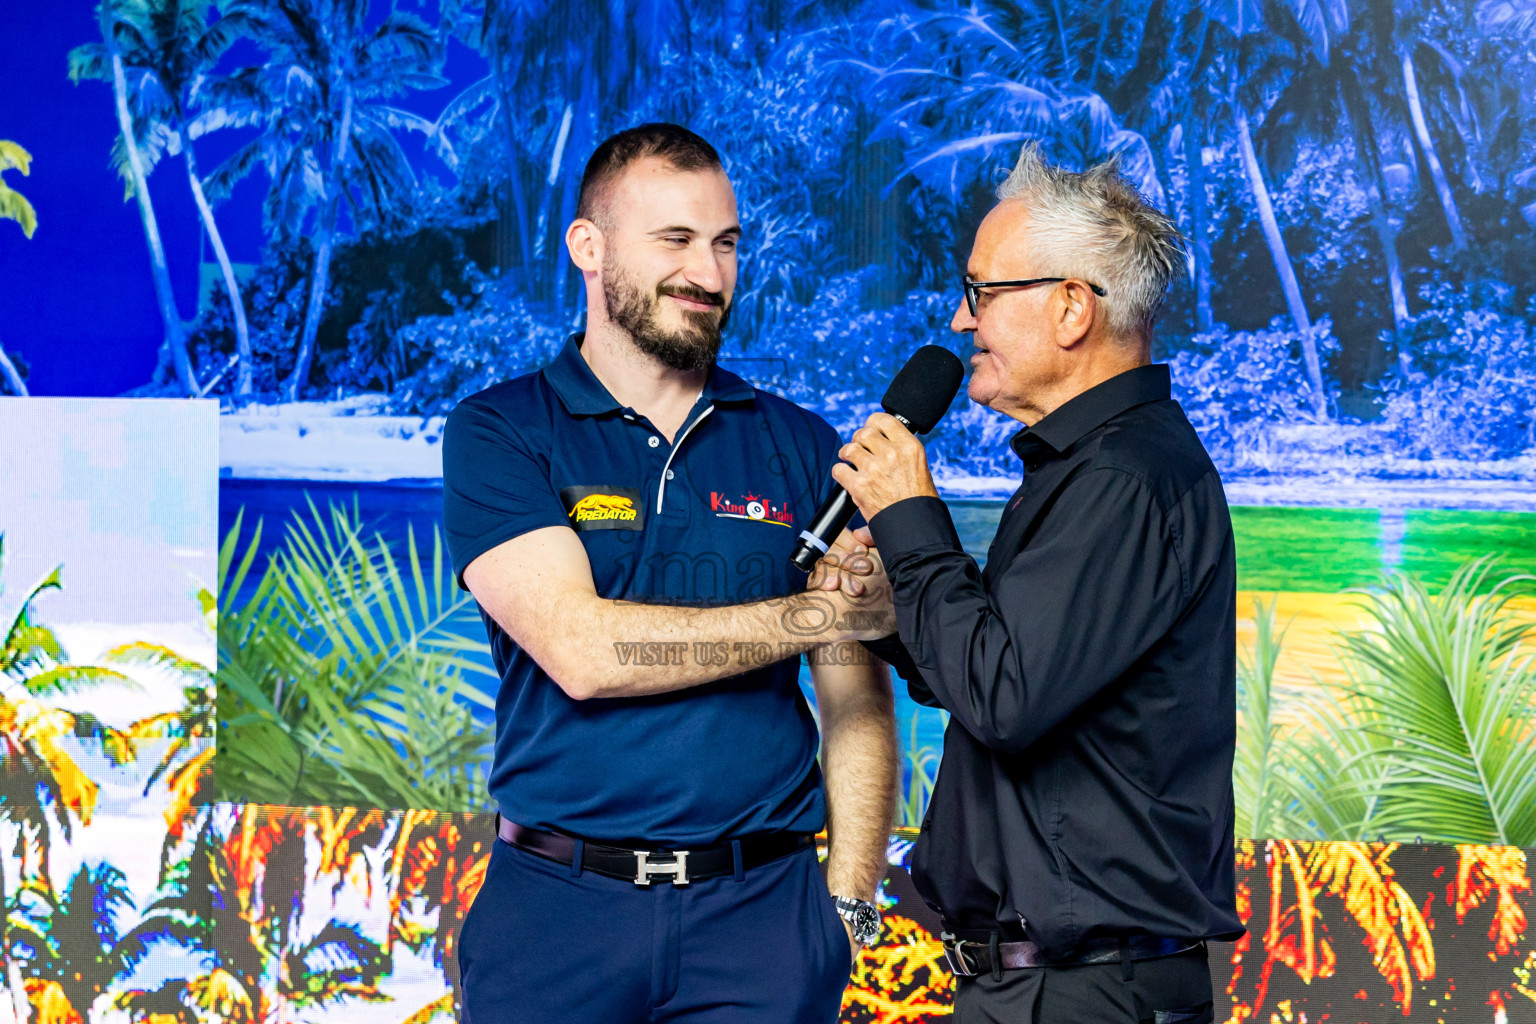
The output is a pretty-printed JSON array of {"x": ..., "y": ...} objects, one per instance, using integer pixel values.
[{"x": 672, "y": 142}]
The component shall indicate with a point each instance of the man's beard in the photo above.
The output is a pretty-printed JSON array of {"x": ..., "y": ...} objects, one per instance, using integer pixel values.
[{"x": 693, "y": 347}]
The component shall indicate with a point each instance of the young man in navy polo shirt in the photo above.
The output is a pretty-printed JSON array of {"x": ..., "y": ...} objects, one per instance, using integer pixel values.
[{"x": 624, "y": 519}]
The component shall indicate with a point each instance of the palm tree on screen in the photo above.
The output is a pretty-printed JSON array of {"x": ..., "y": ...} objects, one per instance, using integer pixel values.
[
  {"x": 1495, "y": 37},
  {"x": 1010, "y": 75},
  {"x": 1448, "y": 680},
  {"x": 1223, "y": 63},
  {"x": 167, "y": 47},
  {"x": 1427, "y": 739},
  {"x": 117, "y": 33},
  {"x": 1463, "y": 75},
  {"x": 1314, "y": 885},
  {"x": 562, "y": 75},
  {"x": 326, "y": 137},
  {"x": 1411, "y": 54},
  {"x": 1372, "y": 80},
  {"x": 346, "y": 671},
  {"x": 436, "y": 865},
  {"x": 1145, "y": 84},
  {"x": 42, "y": 787},
  {"x": 186, "y": 765},
  {"x": 237, "y": 899},
  {"x": 1354, "y": 101},
  {"x": 68, "y": 940},
  {"x": 1167, "y": 92},
  {"x": 42, "y": 778},
  {"x": 14, "y": 206}
]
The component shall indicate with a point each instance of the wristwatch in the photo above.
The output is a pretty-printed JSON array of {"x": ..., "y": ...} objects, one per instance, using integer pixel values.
[{"x": 862, "y": 915}]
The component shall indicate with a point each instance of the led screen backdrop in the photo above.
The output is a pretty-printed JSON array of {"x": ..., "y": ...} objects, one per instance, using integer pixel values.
[
  {"x": 1354, "y": 339},
  {"x": 332, "y": 915},
  {"x": 108, "y": 557}
]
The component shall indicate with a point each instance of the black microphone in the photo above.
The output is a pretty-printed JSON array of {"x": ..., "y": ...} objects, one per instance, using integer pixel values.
[{"x": 918, "y": 396}]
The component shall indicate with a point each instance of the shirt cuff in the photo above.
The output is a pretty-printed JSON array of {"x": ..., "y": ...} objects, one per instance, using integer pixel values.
[{"x": 910, "y": 524}]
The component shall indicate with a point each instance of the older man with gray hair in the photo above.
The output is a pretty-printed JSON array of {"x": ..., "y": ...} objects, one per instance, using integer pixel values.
[{"x": 1078, "y": 844}]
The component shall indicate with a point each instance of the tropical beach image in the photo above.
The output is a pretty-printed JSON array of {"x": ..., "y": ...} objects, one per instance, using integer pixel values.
[
  {"x": 253, "y": 252},
  {"x": 107, "y": 560}
]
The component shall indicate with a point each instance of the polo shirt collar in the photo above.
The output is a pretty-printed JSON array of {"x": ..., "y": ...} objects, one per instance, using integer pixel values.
[
  {"x": 579, "y": 390},
  {"x": 1090, "y": 410},
  {"x": 583, "y": 394},
  {"x": 725, "y": 386}
]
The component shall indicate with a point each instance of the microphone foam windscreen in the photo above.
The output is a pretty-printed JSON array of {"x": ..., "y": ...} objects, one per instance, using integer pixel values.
[{"x": 923, "y": 389}]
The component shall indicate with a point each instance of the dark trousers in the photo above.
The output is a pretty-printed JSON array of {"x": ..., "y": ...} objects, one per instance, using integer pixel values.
[
  {"x": 544, "y": 944},
  {"x": 1168, "y": 990}
]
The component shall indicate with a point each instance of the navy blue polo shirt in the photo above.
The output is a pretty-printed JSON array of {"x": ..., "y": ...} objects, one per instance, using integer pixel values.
[{"x": 709, "y": 519}]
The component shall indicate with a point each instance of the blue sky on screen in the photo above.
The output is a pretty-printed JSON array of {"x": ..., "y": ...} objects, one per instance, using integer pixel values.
[{"x": 122, "y": 493}]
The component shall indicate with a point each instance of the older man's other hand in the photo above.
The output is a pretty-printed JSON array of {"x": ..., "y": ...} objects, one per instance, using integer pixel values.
[
  {"x": 844, "y": 565},
  {"x": 870, "y": 613}
]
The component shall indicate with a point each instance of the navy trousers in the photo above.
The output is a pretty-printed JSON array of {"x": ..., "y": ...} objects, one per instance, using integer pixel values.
[{"x": 545, "y": 943}]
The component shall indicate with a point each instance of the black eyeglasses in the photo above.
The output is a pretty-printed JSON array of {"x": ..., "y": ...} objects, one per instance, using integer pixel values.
[{"x": 973, "y": 288}]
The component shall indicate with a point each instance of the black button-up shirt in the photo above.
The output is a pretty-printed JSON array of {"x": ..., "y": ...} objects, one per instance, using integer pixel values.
[{"x": 1085, "y": 791}]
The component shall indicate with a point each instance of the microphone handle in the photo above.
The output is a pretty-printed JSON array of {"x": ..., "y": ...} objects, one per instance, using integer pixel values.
[{"x": 830, "y": 520}]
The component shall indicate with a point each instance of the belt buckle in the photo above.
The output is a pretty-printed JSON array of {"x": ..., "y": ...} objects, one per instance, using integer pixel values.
[
  {"x": 676, "y": 869},
  {"x": 954, "y": 952}
]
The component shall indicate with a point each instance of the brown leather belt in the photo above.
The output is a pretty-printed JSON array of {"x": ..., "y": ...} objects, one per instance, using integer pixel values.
[
  {"x": 657, "y": 865},
  {"x": 968, "y": 958}
]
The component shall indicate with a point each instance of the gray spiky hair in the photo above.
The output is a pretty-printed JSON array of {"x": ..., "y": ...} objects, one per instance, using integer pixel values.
[{"x": 1096, "y": 226}]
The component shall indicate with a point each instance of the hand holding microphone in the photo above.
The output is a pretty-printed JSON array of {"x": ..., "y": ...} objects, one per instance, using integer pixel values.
[
  {"x": 888, "y": 465},
  {"x": 883, "y": 463},
  {"x": 887, "y": 461}
]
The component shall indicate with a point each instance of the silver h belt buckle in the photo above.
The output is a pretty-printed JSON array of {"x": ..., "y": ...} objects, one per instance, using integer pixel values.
[{"x": 677, "y": 868}]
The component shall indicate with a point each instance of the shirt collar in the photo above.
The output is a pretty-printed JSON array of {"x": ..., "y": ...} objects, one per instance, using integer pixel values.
[
  {"x": 1077, "y": 417},
  {"x": 583, "y": 394},
  {"x": 725, "y": 386}
]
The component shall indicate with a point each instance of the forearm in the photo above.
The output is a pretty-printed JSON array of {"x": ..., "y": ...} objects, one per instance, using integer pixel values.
[
  {"x": 859, "y": 763},
  {"x": 626, "y": 649},
  {"x": 538, "y": 587},
  {"x": 890, "y": 650}
]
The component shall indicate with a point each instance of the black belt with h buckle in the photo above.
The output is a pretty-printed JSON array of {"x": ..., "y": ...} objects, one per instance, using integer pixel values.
[
  {"x": 968, "y": 958},
  {"x": 658, "y": 865}
]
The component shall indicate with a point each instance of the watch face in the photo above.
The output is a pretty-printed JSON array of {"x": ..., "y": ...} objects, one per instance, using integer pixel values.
[{"x": 866, "y": 924}]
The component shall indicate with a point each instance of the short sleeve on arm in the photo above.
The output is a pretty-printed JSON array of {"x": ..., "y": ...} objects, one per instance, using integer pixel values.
[{"x": 494, "y": 487}]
